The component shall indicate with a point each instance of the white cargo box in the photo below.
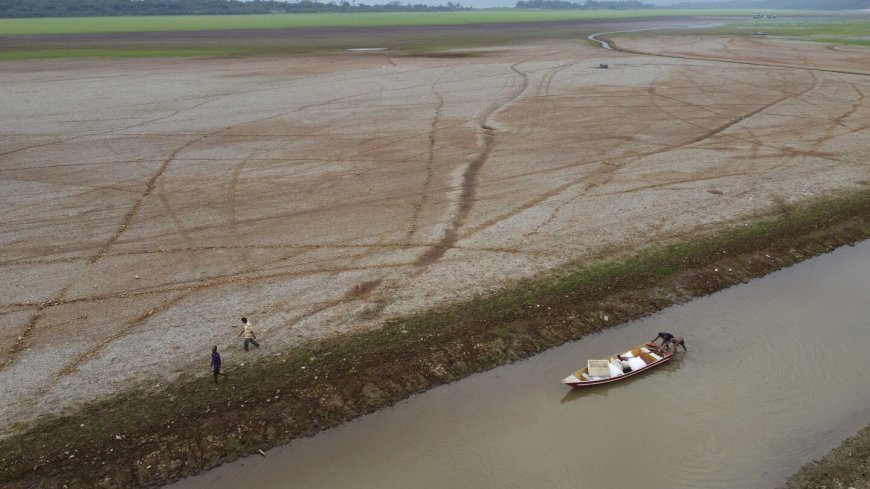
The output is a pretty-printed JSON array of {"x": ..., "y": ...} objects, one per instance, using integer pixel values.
[{"x": 598, "y": 368}]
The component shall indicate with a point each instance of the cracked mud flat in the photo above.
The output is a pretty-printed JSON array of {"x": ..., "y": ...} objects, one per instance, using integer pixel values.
[{"x": 149, "y": 204}]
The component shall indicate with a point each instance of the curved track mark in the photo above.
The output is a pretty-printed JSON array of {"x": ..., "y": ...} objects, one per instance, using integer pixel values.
[
  {"x": 610, "y": 166},
  {"x": 123, "y": 331},
  {"x": 430, "y": 167},
  {"x": 27, "y": 331},
  {"x": 737, "y": 120},
  {"x": 468, "y": 191}
]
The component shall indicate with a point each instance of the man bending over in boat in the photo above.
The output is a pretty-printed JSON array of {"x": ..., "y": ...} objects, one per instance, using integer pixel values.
[
  {"x": 668, "y": 339},
  {"x": 665, "y": 336},
  {"x": 677, "y": 341}
]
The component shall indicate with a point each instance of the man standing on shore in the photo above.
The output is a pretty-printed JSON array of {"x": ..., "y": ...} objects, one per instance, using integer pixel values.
[
  {"x": 248, "y": 331},
  {"x": 216, "y": 363}
]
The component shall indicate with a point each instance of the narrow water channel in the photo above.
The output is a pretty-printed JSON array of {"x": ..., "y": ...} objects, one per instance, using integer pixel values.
[{"x": 775, "y": 376}]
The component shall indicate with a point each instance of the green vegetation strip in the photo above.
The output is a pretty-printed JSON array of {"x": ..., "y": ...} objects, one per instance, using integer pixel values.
[
  {"x": 148, "y": 437},
  {"x": 844, "y": 32},
  {"x": 92, "y": 25},
  {"x": 120, "y": 53}
]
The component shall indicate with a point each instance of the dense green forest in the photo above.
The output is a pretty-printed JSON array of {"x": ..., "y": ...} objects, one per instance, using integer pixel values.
[
  {"x": 781, "y": 4},
  {"x": 100, "y": 8},
  {"x": 724, "y": 4},
  {"x": 588, "y": 5}
]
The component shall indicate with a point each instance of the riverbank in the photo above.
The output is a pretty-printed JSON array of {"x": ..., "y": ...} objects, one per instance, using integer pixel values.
[
  {"x": 848, "y": 465},
  {"x": 149, "y": 437}
]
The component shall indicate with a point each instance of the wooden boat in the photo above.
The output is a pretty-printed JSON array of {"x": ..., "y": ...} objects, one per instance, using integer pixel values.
[{"x": 640, "y": 359}]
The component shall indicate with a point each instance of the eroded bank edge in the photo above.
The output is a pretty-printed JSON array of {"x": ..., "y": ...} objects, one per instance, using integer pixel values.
[
  {"x": 847, "y": 465},
  {"x": 148, "y": 437}
]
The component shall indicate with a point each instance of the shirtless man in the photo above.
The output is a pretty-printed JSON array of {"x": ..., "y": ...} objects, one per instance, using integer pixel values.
[
  {"x": 677, "y": 341},
  {"x": 668, "y": 339}
]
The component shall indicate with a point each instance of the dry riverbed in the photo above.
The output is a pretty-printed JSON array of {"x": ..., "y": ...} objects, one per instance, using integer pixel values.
[{"x": 150, "y": 204}]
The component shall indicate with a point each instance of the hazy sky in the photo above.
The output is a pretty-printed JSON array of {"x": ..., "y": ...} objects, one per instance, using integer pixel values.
[{"x": 506, "y": 3}]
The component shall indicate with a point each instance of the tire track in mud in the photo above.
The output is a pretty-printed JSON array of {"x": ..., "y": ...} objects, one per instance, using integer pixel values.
[
  {"x": 173, "y": 216},
  {"x": 28, "y": 329},
  {"x": 543, "y": 90},
  {"x": 355, "y": 292},
  {"x": 126, "y": 221},
  {"x": 732, "y": 61},
  {"x": 545, "y": 104},
  {"x": 698, "y": 87},
  {"x": 360, "y": 291},
  {"x": 370, "y": 286},
  {"x": 33, "y": 323},
  {"x": 840, "y": 120},
  {"x": 190, "y": 289},
  {"x": 234, "y": 182},
  {"x": 42, "y": 145},
  {"x": 170, "y": 210},
  {"x": 119, "y": 333},
  {"x": 111, "y": 132},
  {"x": 610, "y": 166},
  {"x": 52, "y": 202},
  {"x": 74, "y": 165},
  {"x": 132, "y": 324},
  {"x": 170, "y": 115},
  {"x": 149, "y": 188},
  {"x": 831, "y": 124},
  {"x": 258, "y": 219},
  {"x": 195, "y": 249},
  {"x": 430, "y": 160},
  {"x": 468, "y": 185},
  {"x": 232, "y": 193},
  {"x": 754, "y": 144},
  {"x": 713, "y": 132}
]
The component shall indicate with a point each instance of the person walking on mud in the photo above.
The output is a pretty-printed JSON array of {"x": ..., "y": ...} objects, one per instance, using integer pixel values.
[
  {"x": 216, "y": 363},
  {"x": 248, "y": 331}
]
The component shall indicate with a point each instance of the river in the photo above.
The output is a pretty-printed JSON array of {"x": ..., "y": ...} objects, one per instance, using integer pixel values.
[{"x": 775, "y": 376}]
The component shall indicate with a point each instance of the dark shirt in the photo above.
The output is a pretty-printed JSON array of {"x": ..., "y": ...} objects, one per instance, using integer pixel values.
[
  {"x": 666, "y": 336},
  {"x": 215, "y": 360}
]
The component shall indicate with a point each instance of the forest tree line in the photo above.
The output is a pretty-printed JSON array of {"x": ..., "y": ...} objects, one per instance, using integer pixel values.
[
  {"x": 724, "y": 4},
  {"x": 103, "y": 8},
  {"x": 781, "y": 4},
  {"x": 588, "y": 5}
]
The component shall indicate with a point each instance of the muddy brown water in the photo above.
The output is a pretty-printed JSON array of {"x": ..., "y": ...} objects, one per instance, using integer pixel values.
[{"x": 775, "y": 376}]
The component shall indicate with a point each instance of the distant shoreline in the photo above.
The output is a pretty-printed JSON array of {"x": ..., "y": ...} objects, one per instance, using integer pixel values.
[{"x": 176, "y": 23}]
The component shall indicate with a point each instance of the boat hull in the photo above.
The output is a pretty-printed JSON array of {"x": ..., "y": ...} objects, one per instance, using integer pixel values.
[{"x": 647, "y": 351}]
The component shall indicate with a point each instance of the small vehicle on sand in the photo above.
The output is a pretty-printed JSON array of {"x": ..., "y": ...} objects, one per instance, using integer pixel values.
[{"x": 619, "y": 366}]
